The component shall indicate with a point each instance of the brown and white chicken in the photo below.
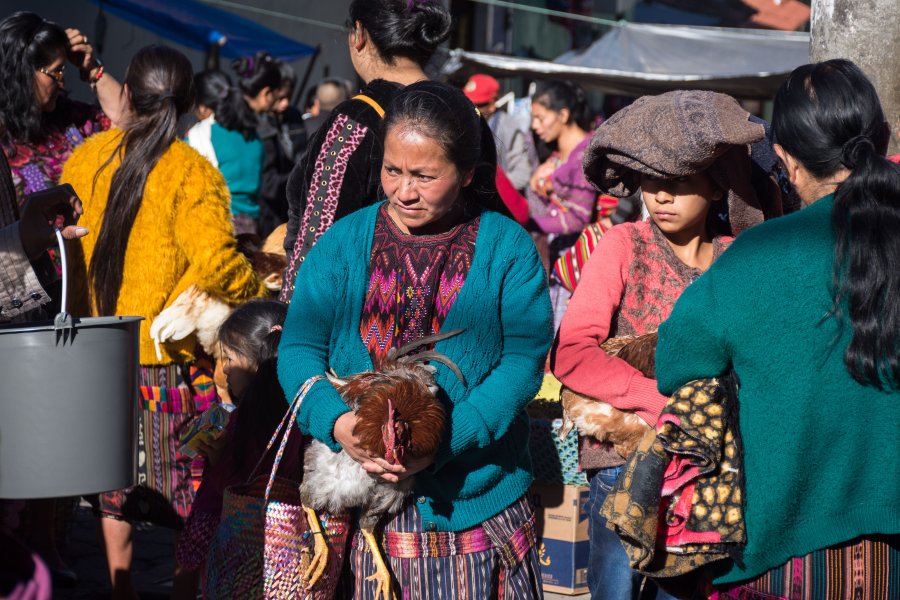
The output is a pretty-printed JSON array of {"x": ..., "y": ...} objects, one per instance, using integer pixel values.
[
  {"x": 197, "y": 312},
  {"x": 400, "y": 419},
  {"x": 600, "y": 420}
]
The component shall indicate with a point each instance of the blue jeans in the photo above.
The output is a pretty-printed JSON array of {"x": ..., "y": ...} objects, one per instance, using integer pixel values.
[{"x": 609, "y": 575}]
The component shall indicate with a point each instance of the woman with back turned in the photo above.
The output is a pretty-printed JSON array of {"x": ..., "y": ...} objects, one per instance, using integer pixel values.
[{"x": 806, "y": 309}]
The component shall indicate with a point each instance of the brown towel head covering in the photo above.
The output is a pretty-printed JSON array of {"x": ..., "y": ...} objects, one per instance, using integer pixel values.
[{"x": 677, "y": 134}]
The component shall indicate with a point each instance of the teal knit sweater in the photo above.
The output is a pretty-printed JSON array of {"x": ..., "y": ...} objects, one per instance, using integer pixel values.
[
  {"x": 821, "y": 452},
  {"x": 483, "y": 465},
  {"x": 240, "y": 162}
]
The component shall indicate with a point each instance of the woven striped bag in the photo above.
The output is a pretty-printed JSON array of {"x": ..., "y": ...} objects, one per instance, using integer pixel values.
[
  {"x": 567, "y": 268},
  {"x": 263, "y": 545}
]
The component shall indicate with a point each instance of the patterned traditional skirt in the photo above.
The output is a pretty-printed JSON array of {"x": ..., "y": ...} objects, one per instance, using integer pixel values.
[
  {"x": 866, "y": 569},
  {"x": 497, "y": 559},
  {"x": 171, "y": 397}
]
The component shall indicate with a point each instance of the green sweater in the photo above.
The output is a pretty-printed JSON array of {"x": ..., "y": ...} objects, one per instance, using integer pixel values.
[
  {"x": 821, "y": 452},
  {"x": 483, "y": 465},
  {"x": 240, "y": 162}
]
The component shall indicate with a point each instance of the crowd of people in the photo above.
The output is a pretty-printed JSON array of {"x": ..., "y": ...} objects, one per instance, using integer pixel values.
[{"x": 417, "y": 216}]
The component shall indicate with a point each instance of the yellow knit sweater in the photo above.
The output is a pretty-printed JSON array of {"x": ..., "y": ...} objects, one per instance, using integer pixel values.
[{"x": 182, "y": 235}]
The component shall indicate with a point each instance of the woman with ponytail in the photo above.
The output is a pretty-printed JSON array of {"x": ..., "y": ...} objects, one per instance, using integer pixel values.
[
  {"x": 158, "y": 212},
  {"x": 226, "y": 133},
  {"x": 435, "y": 255},
  {"x": 806, "y": 310}
]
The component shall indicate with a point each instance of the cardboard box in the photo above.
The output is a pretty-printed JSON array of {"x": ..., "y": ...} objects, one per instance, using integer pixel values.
[{"x": 563, "y": 536}]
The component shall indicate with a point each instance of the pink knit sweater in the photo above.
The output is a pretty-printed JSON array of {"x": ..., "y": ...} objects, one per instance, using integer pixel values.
[{"x": 628, "y": 287}]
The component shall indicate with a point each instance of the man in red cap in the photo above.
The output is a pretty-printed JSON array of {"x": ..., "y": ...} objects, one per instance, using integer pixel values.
[{"x": 515, "y": 148}]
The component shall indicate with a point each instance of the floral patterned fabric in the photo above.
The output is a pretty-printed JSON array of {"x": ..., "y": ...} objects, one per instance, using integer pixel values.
[{"x": 37, "y": 166}]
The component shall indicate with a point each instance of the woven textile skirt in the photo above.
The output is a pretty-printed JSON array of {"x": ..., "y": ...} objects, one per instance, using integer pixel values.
[
  {"x": 171, "y": 397},
  {"x": 497, "y": 559},
  {"x": 865, "y": 569}
]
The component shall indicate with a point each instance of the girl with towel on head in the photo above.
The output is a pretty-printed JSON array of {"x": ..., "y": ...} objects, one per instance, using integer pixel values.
[{"x": 689, "y": 153}]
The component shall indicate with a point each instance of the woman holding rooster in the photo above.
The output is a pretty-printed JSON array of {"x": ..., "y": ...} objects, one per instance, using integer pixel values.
[{"x": 437, "y": 254}]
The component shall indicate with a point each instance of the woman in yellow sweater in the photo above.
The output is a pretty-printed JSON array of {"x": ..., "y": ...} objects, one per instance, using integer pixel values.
[{"x": 160, "y": 221}]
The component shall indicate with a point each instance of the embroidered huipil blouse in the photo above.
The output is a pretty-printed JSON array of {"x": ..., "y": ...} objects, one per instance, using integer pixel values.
[{"x": 413, "y": 282}]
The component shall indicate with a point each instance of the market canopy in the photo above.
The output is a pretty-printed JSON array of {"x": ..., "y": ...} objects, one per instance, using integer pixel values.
[
  {"x": 637, "y": 59},
  {"x": 197, "y": 25}
]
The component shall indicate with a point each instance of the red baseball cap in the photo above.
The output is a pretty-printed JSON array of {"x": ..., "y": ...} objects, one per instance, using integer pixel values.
[{"x": 481, "y": 89}]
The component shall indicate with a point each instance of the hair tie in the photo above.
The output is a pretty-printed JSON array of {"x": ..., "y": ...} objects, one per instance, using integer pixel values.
[
  {"x": 166, "y": 94},
  {"x": 275, "y": 328},
  {"x": 852, "y": 150}
]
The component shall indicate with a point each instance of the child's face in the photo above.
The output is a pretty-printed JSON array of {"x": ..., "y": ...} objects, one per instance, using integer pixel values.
[
  {"x": 239, "y": 371},
  {"x": 680, "y": 205}
]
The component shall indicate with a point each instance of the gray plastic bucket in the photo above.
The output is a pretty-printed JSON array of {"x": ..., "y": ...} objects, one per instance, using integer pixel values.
[
  {"x": 68, "y": 404},
  {"x": 68, "y": 407}
]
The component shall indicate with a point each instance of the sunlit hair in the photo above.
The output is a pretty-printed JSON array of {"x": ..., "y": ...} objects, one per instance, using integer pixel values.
[{"x": 160, "y": 87}]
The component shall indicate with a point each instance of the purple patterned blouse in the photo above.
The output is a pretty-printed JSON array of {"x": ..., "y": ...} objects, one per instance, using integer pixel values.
[{"x": 38, "y": 165}]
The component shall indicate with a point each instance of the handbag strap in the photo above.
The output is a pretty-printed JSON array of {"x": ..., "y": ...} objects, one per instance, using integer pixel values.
[
  {"x": 290, "y": 417},
  {"x": 371, "y": 102}
]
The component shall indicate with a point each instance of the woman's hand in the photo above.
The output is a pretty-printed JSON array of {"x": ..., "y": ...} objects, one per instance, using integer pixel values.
[
  {"x": 212, "y": 449},
  {"x": 58, "y": 206},
  {"x": 81, "y": 53},
  {"x": 376, "y": 465},
  {"x": 541, "y": 180},
  {"x": 343, "y": 433},
  {"x": 108, "y": 90}
]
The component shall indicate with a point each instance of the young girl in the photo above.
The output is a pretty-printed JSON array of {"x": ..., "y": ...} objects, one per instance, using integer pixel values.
[
  {"x": 688, "y": 152},
  {"x": 249, "y": 342}
]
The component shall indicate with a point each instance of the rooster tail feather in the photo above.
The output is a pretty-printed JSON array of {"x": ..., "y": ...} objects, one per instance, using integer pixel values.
[
  {"x": 441, "y": 358},
  {"x": 423, "y": 341}
]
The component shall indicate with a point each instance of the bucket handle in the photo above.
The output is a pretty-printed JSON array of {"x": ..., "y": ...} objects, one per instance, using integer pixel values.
[{"x": 63, "y": 323}]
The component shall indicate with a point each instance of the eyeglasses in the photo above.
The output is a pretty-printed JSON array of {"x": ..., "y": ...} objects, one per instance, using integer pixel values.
[{"x": 56, "y": 74}]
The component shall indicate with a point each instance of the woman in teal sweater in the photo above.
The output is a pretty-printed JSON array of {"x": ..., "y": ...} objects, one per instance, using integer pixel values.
[
  {"x": 806, "y": 309},
  {"x": 434, "y": 256}
]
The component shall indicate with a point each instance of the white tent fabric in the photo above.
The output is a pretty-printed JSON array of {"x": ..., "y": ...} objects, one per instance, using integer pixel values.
[{"x": 637, "y": 59}]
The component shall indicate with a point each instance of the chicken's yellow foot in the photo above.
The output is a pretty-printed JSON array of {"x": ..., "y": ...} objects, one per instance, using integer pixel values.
[
  {"x": 382, "y": 574},
  {"x": 320, "y": 549}
]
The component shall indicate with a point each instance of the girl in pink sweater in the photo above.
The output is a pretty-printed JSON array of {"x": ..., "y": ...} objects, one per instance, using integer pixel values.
[{"x": 688, "y": 152}]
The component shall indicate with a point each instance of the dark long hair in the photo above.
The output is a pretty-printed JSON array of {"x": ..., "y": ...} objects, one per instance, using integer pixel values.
[
  {"x": 253, "y": 331},
  {"x": 827, "y": 115},
  {"x": 160, "y": 87},
  {"x": 27, "y": 43},
  {"x": 215, "y": 91},
  {"x": 557, "y": 94},
  {"x": 253, "y": 73},
  {"x": 403, "y": 28},
  {"x": 442, "y": 113}
]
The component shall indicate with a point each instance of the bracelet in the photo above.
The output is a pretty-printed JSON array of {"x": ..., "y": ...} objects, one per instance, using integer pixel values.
[
  {"x": 86, "y": 73},
  {"x": 96, "y": 78}
]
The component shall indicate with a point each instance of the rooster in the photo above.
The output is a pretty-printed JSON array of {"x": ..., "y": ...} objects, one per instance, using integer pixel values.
[
  {"x": 602, "y": 421},
  {"x": 399, "y": 419}
]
